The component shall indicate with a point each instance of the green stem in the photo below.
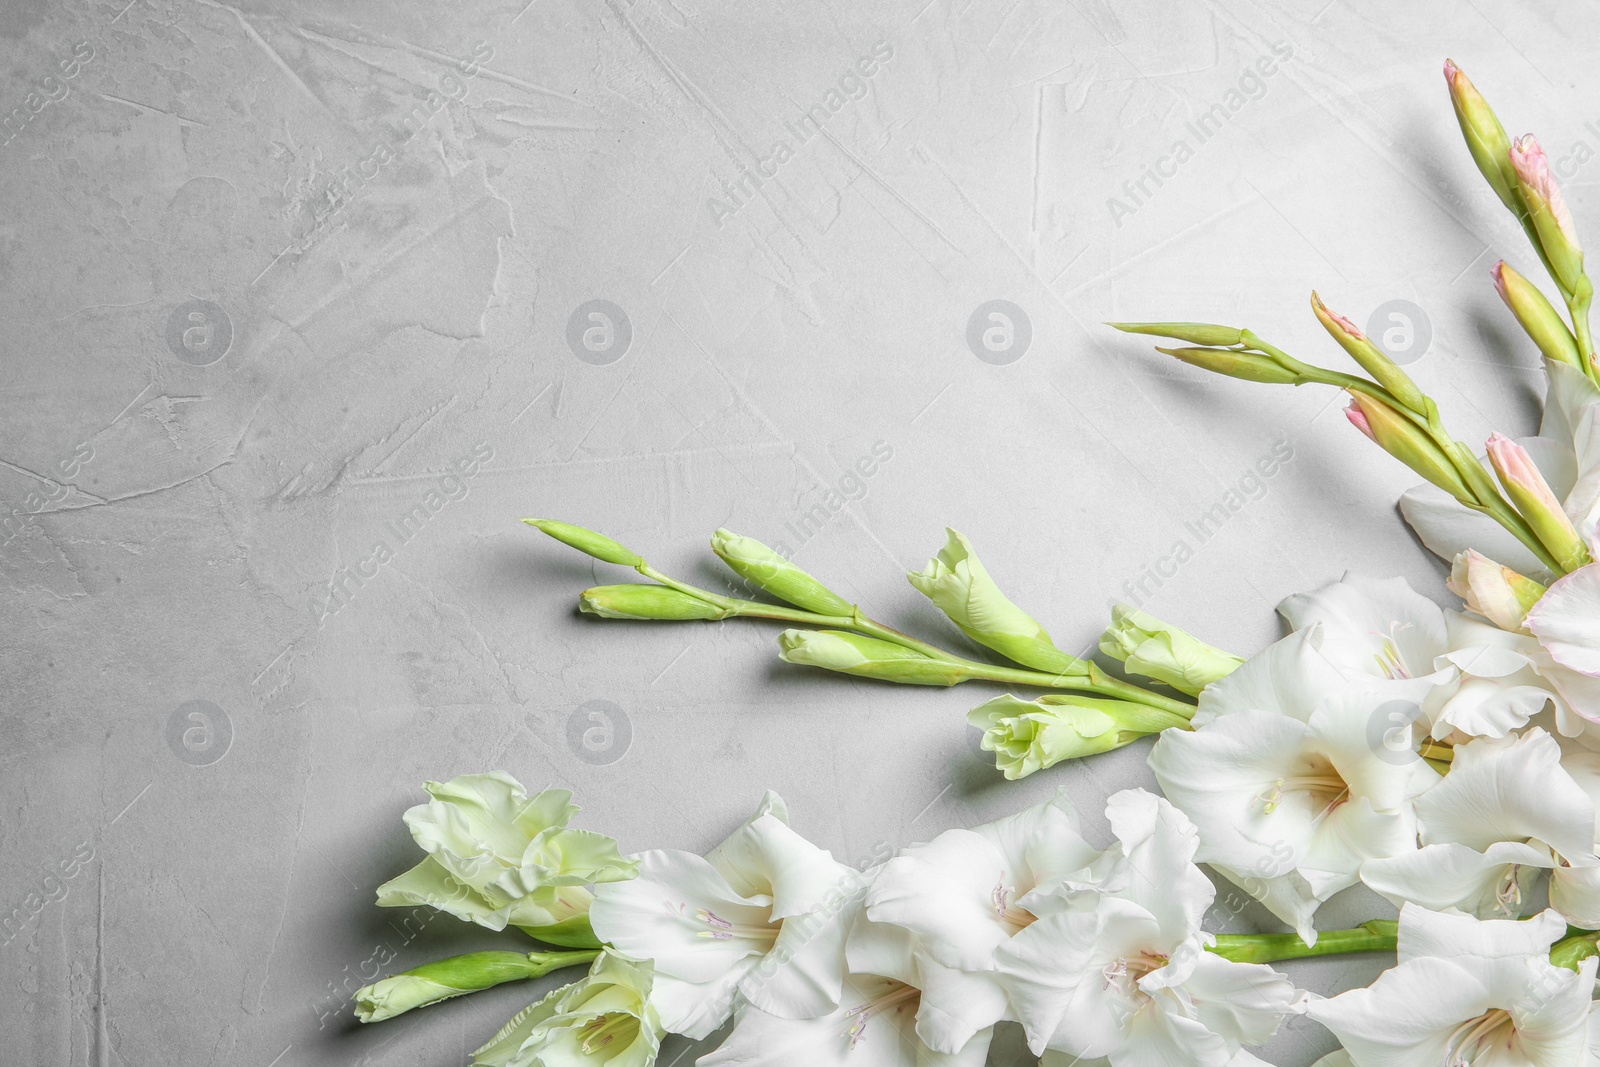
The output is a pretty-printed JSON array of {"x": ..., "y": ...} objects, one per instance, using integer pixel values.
[
  {"x": 1376, "y": 935},
  {"x": 1092, "y": 680},
  {"x": 1578, "y": 307}
]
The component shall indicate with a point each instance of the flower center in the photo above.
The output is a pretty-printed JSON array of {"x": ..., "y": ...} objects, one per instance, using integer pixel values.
[
  {"x": 1005, "y": 910},
  {"x": 603, "y": 1030},
  {"x": 1323, "y": 786},
  {"x": 1390, "y": 662},
  {"x": 896, "y": 994},
  {"x": 1475, "y": 1037},
  {"x": 1124, "y": 972},
  {"x": 1508, "y": 896},
  {"x": 722, "y": 930}
]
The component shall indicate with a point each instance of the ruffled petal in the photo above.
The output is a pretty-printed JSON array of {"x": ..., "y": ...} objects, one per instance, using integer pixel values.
[
  {"x": 1566, "y": 620},
  {"x": 945, "y": 892},
  {"x": 1490, "y": 884},
  {"x": 1378, "y": 627}
]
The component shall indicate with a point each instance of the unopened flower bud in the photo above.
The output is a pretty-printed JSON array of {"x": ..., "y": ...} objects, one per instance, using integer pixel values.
[
  {"x": 770, "y": 572},
  {"x": 866, "y": 657},
  {"x": 1149, "y": 647},
  {"x": 1030, "y": 735},
  {"x": 1486, "y": 138},
  {"x": 1196, "y": 333},
  {"x": 1496, "y": 592},
  {"x": 959, "y": 586},
  {"x": 597, "y": 545},
  {"x": 433, "y": 982},
  {"x": 1548, "y": 210},
  {"x": 1537, "y": 316},
  {"x": 1372, "y": 359},
  {"x": 1246, "y": 365},
  {"x": 641, "y": 601},
  {"x": 1536, "y": 502},
  {"x": 1405, "y": 441}
]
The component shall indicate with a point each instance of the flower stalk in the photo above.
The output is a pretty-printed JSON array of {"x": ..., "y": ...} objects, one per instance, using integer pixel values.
[
  {"x": 1375, "y": 935},
  {"x": 848, "y": 641}
]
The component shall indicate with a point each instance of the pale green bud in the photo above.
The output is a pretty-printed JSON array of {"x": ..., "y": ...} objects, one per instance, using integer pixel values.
[
  {"x": 1384, "y": 371},
  {"x": 443, "y": 979},
  {"x": 1486, "y": 138},
  {"x": 1547, "y": 209},
  {"x": 599, "y": 546},
  {"x": 1537, "y": 316},
  {"x": 1536, "y": 502},
  {"x": 604, "y": 1020},
  {"x": 1405, "y": 441},
  {"x": 770, "y": 572},
  {"x": 1196, "y": 333},
  {"x": 1030, "y": 735},
  {"x": 1153, "y": 649},
  {"x": 639, "y": 601},
  {"x": 866, "y": 657},
  {"x": 959, "y": 586},
  {"x": 1247, "y": 366}
]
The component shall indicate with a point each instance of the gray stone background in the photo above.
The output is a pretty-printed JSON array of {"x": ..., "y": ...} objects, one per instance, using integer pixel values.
[{"x": 272, "y": 272}]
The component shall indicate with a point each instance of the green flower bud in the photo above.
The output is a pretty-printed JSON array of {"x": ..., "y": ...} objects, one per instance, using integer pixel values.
[
  {"x": 1405, "y": 441},
  {"x": 1151, "y": 648},
  {"x": 1486, "y": 138},
  {"x": 1196, "y": 333},
  {"x": 1537, "y": 316},
  {"x": 1384, "y": 371},
  {"x": 959, "y": 586},
  {"x": 770, "y": 572},
  {"x": 1570, "y": 952},
  {"x": 866, "y": 657},
  {"x": 1244, "y": 365},
  {"x": 1536, "y": 502},
  {"x": 599, "y": 546},
  {"x": 604, "y": 1020},
  {"x": 443, "y": 979},
  {"x": 1547, "y": 209},
  {"x": 641, "y": 601},
  {"x": 1030, "y": 735}
]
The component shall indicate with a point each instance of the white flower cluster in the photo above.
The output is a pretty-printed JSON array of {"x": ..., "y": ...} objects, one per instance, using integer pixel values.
[{"x": 1098, "y": 954}]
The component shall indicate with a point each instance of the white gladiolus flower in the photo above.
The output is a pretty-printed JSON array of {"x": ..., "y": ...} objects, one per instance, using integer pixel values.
[
  {"x": 1567, "y": 453},
  {"x": 1467, "y": 991},
  {"x": 1289, "y": 779},
  {"x": 1506, "y": 813},
  {"x": 968, "y": 892},
  {"x": 1485, "y": 680},
  {"x": 892, "y": 996},
  {"x": 1123, "y": 972},
  {"x": 751, "y": 919}
]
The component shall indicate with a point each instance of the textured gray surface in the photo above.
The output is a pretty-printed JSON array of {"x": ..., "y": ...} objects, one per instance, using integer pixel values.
[{"x": 272, "y": 273}]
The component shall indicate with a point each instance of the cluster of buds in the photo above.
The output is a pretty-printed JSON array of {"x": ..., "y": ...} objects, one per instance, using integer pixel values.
[{"x": 837, "y": 636}]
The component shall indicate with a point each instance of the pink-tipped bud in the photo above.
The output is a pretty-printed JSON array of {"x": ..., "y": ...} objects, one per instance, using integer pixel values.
[
  {"x": 1533, "y": 170},
  {"x": 1498, "y": 273},
  {"x": 1536, "y": 502},
  {"x": 1373, "y": 360},
  {"x": 1536, "y": 315},
  {"x": 1358, "y": 419},
  {"x": 1498, "y": 593},
  {"x": 1486, "y": 138}
]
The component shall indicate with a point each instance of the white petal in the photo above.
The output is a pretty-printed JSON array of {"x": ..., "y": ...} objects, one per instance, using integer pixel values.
[
  {"x": 1242, "y": 1002},
  {"x": 1566, "y": 620},
  {"x": 1041, "y": 845},
  {"x": 800, "y": 976},
  {"x": 1455, "y": 876},
  {"x": 1051, "y": 971},
  {"x": 1509, "y": 789},
  {"x": 1575, "y": 893},
  {"x": 766, "y": 857},
  {"x": 1428, "y": 934},
  {"x": 944, "y": 891},
  {"x": 1406, "y": 1017},
  {"x": 1288, "y": 677},
  {"x": 957, "y": 1006},
  {"x": 662, "y": 914},
  {"x": 1159, "y": 875},
  {"x": 697, "y": 1009},
  {"x": 883, "y": 949},
  {"x": 1379, "y": 627},
  {"x": 1157, "y": 1038}
]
